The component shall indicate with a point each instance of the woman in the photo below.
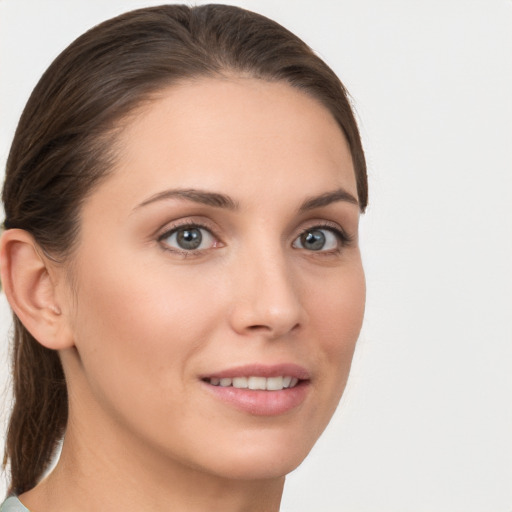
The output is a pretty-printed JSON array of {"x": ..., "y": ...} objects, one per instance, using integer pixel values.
[{"x": 180, "y": 252}]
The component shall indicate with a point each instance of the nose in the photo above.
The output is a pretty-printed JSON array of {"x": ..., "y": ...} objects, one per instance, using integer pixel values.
[{"x": 266, "y": 300}]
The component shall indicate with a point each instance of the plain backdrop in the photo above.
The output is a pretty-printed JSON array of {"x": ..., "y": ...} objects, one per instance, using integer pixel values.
[{"x": 426, "y": 421}]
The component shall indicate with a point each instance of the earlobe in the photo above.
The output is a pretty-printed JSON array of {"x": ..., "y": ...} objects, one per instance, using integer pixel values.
[{"x": 30, "y": 289}]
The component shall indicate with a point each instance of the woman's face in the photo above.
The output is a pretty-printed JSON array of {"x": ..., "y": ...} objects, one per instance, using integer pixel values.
[{"x": 220, "y": 255}]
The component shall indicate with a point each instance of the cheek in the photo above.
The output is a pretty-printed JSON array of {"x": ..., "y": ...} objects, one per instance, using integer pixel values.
[
  {"x": 336, "y": 311},
  {"x": 130, "y": 298},
  {"x": 138, "y": 326},
  {"x": 336, "y": 308}
]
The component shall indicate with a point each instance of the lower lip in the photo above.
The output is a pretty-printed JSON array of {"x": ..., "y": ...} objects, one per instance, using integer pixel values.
[{"x": 261, "y": 403}]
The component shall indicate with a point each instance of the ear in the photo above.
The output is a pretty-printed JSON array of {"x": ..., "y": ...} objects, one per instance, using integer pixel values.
[{"x": 30, "y": 285}]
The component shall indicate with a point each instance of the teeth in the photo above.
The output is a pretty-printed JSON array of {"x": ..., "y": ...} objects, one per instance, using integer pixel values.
[
  {"x": 274, "y": 383},
  {"x": 286, "y": 382},
  {"x": 256, "y": 383},
  {"x": 240, "y": 382}
]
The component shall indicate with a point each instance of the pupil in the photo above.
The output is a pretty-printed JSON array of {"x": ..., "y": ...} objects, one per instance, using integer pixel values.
[
  {"x": 189, "y": 238},
  {"x": 313, "y": 240}
]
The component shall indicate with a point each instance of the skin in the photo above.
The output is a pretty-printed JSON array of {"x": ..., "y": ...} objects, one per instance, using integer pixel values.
[{"x": 144, "y": 319}]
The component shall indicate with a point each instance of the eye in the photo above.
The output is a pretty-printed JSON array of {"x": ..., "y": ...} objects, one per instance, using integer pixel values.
[
  {"x": 319, "y": 239},
  {"x": 188, "y": 238}
]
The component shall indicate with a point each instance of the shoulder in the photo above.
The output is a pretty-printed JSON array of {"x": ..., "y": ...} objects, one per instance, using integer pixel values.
[{"x": 12, "y": 504}]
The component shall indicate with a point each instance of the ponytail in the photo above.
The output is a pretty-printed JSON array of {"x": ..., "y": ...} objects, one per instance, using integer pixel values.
[{"x": 39, "y": 412}]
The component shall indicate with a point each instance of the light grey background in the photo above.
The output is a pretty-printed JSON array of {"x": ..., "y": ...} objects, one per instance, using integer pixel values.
[{"x": 426, "y": 422}]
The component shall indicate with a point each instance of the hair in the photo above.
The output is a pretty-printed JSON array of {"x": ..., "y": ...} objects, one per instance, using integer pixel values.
[{"x": 63, "y": 144}]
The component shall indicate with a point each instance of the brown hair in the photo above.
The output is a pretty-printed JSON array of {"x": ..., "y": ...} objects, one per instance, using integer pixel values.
[{"x": 62, "y": 149}]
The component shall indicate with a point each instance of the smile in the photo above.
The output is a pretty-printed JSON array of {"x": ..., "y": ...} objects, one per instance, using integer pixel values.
[
  {"x": 256, "y": 382},
  {"x": 260, "y": 390}
]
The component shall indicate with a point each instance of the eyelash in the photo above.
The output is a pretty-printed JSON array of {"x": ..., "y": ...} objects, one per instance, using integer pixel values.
[
  {"x": 343, "y": 237},
  {"x": 182, "y": 225}
]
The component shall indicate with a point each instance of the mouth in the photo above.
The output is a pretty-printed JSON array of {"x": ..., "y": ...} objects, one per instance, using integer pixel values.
[
  {"x": 260, "y": 390},
  {"x": 255, "y": 382}
]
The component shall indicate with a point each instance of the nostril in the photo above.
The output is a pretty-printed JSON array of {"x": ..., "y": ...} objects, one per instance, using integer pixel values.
[
  {"x": 259, "y": 328},
  {"x": 274, "y": 331}
]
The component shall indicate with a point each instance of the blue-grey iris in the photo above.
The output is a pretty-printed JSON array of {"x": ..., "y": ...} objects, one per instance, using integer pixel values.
[
  {"x": 313, "y": 240},
  {"x": 189, "y": 238}
]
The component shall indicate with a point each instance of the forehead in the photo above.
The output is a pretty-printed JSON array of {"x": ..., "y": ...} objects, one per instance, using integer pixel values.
[{"x": 234, "y": 133}]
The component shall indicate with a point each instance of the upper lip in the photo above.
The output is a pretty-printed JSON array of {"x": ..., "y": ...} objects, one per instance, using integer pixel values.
[{"x": 262, "y": 370}]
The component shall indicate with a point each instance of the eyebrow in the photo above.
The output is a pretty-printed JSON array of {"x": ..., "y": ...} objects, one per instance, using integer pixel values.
[
  {"x": 197, "y": 196},
  {"x": 328, "y": 198},
  {"x": 218, "y": 200}
]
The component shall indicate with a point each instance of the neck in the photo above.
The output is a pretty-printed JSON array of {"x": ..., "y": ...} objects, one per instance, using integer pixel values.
[{"x": 102, "y": 474}]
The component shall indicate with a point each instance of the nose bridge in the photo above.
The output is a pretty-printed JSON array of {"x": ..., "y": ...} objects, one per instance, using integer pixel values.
[{"x": 266, "y": 300}]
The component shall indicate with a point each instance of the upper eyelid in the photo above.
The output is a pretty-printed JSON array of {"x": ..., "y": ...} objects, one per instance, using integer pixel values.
[
  {"x": 325, "y": 224},
  {"x": 170, "y": 228}
]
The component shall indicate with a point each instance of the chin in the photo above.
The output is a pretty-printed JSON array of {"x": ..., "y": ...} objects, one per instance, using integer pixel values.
[
  {"x": 261, "y": 455},
  {"x": 260, "y": 467}
]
